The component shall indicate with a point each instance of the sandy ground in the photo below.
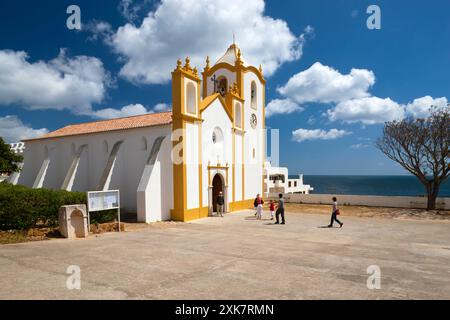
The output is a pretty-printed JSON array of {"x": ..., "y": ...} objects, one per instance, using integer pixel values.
[
  {"x": 238, "y": 257},
  {"x": 370, "y": 212}
]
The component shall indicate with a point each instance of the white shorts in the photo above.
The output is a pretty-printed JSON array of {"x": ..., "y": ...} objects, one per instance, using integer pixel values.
[{"x": 259, "y": 209}]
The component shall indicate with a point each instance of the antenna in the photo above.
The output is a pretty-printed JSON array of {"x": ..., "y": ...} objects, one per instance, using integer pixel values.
[{"x": 234, "y": 39}]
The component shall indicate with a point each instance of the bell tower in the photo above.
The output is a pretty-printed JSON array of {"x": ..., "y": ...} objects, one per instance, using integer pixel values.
[{"x": 186, "y": 135}]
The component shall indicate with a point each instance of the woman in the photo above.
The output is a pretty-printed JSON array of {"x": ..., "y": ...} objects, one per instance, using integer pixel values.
[
  {"x": 259, "y": 206},
  {"x": 334, "y": 214}
]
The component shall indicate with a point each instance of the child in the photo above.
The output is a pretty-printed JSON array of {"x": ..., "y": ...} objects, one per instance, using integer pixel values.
[
  {"x": 259, "y": 207},
  {"x": 272, "y": 209}
]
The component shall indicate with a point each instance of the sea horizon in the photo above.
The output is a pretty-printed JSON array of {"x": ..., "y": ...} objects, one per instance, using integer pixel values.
[{"x": 378, "y": 185}]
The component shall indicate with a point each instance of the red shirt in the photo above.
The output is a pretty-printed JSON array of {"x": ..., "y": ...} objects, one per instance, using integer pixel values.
[{"x": 272, "y": 206}]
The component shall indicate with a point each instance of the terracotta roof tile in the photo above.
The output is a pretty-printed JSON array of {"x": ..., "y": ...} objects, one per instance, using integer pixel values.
[{"x": 146, "y": 120}]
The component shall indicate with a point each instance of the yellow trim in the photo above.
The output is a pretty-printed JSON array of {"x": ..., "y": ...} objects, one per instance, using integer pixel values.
[
  {"x": 179, "y": 179},
  {"x": 243, "y": 166},
  {"x": 179, "y": 120},
  {"x": 233, "y": 164},
  {"x": 240, "y": 77},
  {"x": 187, "y": 74},
  {"x": 207, "y": 101},
  {"x": 194, "y": 214},
  {"x": 220, "y": 65},
  {"x": 263, "y": 106},
  {"x": 205, "y": 83},
  {"x": 202, "y": 212},
  {"x": 241, "y": 205},
  {"x": 218, "y": 167},
  {"x": 239, "y": 131},
  {"x": 255, "y": 71},
  {"x": 223, "y": 65}
]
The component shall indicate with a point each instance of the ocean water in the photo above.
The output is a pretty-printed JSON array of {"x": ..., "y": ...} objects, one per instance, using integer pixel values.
[{"x": 371, "y": 185}]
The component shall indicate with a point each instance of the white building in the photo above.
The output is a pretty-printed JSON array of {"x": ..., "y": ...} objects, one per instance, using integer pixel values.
[
  {"x": 168, "y": 165},
  {"x": 17, "y": 148},
  {"x": 277, "y": 180}
]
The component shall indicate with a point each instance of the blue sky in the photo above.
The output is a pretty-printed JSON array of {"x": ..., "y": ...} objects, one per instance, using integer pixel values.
[{"x": 308, "y": 50}]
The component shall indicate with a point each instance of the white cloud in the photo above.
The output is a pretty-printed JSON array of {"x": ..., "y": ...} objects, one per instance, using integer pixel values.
[
  {"x": 300, "y": 135},
  {"x": 12, "y": 129},
  {"x": 282, "y": 106},
  {"x": 161, "y": 107},
  {"x": 127, "y": 111},
  {"x": 197, "y": 28},
  {"x": 62, "y": 83},
  {"x": 99, "y": 30},
  {"x": 420, "y": 107},
  {"x": 359, "y": 146},
  {"x": 323, "y": 84},
  {"x": 130, "y": 9},
  {"x": 311, "y": 120},
  {"x": 350, "y": 95},
  {"x": 370, "y": 110}
]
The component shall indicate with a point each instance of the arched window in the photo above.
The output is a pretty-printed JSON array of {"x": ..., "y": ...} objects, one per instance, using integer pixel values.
[
  {"x": 222, "y": 85},
  {"x": 238, "y": 115},
  {"x": 253, "y": 97},
  {"x": 217, "y": 150},
  {"x": 217, "y": 136},
  {"x": 191, "y": 98}
]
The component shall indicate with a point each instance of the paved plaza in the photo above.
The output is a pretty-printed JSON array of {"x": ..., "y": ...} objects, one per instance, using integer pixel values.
[{"x": 237, "y": 257}]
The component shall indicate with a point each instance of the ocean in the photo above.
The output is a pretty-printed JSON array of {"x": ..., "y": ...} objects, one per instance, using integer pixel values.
[{"x": 371, "y": 185}]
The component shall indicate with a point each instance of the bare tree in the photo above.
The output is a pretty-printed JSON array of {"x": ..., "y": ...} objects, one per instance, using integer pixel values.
[{"x": 422, "y": 147}]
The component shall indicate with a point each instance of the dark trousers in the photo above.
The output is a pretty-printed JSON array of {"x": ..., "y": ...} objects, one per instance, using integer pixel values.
[
  {"x": 334, "y": 218},
  {"x": 277, "y": 215}
]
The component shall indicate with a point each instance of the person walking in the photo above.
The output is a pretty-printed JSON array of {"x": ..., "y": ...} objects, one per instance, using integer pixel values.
[
  {"x": 272, "y": 209},
  {"x": 259, "y": 207},
  {"x": 220, "y": 201},
  {"x": 280, "y": 210},
  {"x": 335, "y": 212}
]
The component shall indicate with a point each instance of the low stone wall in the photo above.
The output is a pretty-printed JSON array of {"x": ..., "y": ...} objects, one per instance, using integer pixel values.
[{"x": 370, "y": 201}]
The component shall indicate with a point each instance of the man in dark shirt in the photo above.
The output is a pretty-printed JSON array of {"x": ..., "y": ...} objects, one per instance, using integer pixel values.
[
  {"x": 220, "y": 201},
  {"x": 280, "y": 210}
]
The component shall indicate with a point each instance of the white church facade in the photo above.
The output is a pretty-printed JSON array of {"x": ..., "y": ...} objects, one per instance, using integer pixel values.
[{"x": 168, "y": 165}]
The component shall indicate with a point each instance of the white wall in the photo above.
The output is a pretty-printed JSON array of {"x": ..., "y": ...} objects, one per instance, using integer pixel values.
[
  {"x": 370, "y": 201},
  {"x": 127, "y": 171},
  {"x": 216, "y": 116},
  {"x": 254, "y": 138},
  {"x": 238, "y": 167}
]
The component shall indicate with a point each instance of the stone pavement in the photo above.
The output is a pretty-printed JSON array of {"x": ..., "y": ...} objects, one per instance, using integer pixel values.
[{"x": 237, "y": 257}]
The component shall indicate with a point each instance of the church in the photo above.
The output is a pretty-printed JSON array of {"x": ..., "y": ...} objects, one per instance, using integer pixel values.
[{"x": 169, "y": 165}]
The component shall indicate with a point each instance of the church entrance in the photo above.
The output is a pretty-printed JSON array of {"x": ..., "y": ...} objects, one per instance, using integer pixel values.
[{"x": 217, "y": 186}]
